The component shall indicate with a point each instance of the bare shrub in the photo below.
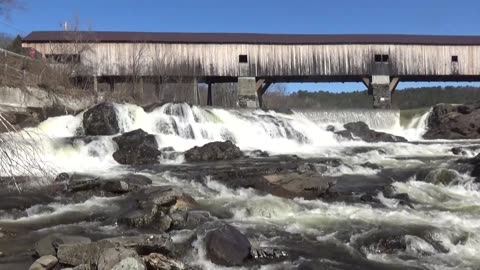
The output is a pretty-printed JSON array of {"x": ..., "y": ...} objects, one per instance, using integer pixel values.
[{"x": 21, "y": 157}]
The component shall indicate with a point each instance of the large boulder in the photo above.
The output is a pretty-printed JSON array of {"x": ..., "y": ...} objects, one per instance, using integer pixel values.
[
  {"x": 213, "y": 151},
  {"x": 227, "y": 246},
  {"x": 362, "y": 131},
  {"x": 452, "y": 122},
  {"x": 136, "y": 148},
  {"x": 101, "y": 120}
]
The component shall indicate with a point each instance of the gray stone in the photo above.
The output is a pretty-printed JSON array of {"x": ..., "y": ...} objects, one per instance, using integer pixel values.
[
  {"x": 162, "y": 262},
  {"x": 83, "y": 267},
  {"x": 84, "y": 253},
  {"x": 89, "y": 253},
  {"x": 49, "y": 244},
  {"x": 129, "y": 264},
  {"x": 159, "y": 195},
  {"x": 112, "y": 256},
  {"x": 139, "y": 218},
  {"x": 44, "y": 263}
]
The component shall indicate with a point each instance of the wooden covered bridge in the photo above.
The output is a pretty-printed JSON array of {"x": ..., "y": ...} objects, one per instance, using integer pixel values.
[{"x": 257, "y": 60}]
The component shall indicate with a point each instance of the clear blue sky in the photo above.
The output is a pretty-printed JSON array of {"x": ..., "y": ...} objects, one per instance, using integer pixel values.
[{"x": 449, "y": 17}]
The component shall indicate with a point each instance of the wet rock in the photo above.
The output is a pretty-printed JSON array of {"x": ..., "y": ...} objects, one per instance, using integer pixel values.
[
  {"x": 213, "y": 151},
  {"x": 89, "y": 253},
  {"x": 458, "y": 151},
  {"x": 259, "y": 153},
  {"x": 362, "y": 131},
  {"x": 267, "y": 253},
  {"x": 138, "y": 218},
  {"x": 290, "y": 185},
  {"x": 49, "y": 244},
  {"x": 44, "y": 263},
  {"x": 112, "y": 256},
  {"x": 368, "y": 198},
  {"x": 130, "y": 264},
  {"x": 157, "y": 261},
  {"x": 158, "y": 195},
  {"x": 62, "y": 177},
  {"x": 474, "y": 163},
  {"x": 227, "y": 246},
  {"x": 88, "y": 186},
  {"x": 22, "y": 201},
  {"x": 19, "y": 120},
  {"x": 190, "y": 220},
  {"x": 136, "y": 148},
  {"x": 330, "y": 128},
  {"x": 390, "y": 245},
  {"x": 147, "y": 211},
  {"x": 372, "y": 166},
  {"x": 442, "y": 176},
  {"x": 115, "y": 186},
  {"x": 101, "y": 120},
  {"x": 454, "y": 122}
]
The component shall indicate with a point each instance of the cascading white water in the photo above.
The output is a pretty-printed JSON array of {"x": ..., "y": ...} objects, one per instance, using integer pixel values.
[
  {"x": 182, "y": 126},
  {"x": 375, "y": 119}
]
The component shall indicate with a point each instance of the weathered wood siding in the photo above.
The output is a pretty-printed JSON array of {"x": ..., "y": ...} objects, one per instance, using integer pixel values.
[{"x": 269, "y": 60}]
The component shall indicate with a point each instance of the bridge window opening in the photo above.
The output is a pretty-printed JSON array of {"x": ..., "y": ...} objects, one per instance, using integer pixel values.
[
  {"x": 243, "y": 58},
  {"x": 381, "y": 58},
  {"x": 455, "y": 58}
]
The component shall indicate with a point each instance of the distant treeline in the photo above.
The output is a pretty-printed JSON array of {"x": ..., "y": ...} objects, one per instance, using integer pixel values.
[{"x": 409, "y": 98}]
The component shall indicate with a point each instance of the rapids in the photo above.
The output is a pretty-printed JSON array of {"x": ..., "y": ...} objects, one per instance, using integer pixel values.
[{"x": 440, "y": 231}]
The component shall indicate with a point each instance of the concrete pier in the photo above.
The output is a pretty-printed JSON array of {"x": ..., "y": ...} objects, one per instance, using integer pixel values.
[
  {"x": 381, "y": 88},
  {"x": 247, "y": 92}
]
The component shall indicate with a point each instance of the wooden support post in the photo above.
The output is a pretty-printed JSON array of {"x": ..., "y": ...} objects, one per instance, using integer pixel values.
[
  {"x": 262, "y": 87},
  {"x": 393, "y": 84},
  {"x": 209, "y": 95},
  {"x": 368, "y": 84}
]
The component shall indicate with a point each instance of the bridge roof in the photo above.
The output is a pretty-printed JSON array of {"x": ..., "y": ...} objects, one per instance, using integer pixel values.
[{"x": 245, "y": 38}]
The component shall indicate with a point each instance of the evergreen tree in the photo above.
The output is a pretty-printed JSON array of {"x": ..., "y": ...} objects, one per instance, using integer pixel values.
[{"x": 16, "y": 45}]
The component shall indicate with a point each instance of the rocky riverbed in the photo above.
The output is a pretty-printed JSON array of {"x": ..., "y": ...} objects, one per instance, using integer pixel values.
[{"x": 184, "y": 187}]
